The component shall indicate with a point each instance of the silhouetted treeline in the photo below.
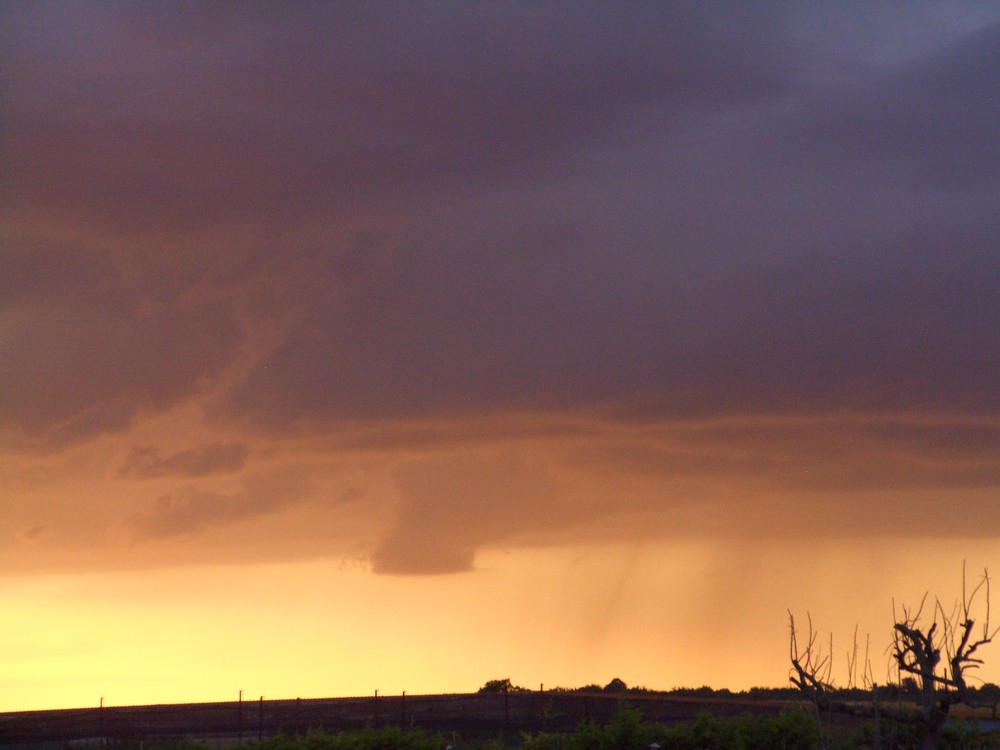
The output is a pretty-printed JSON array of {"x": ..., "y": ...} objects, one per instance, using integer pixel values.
[{"x": 987, "y": 694}]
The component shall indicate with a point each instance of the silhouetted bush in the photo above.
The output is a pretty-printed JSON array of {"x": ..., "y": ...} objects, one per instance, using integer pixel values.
[
  {"x": 790, "y": 730},
  {"x": 501, "y": 686},
  {"x": 386, "y": 738}
]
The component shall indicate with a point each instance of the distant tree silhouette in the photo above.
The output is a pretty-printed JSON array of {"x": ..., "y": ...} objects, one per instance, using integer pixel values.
[
  {"x": 989, "y": 694},
  {"x": 500, "y": 686},
  {"x": 617, "y": 685}
]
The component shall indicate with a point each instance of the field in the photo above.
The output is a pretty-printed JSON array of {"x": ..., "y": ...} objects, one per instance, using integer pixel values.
[{"x": 475, "y": 714}]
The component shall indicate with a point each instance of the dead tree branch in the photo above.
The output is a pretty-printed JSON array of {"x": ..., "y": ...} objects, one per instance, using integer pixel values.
[
  {"x": 811, "y": 668},
  {"x": 941, "y": 652}
]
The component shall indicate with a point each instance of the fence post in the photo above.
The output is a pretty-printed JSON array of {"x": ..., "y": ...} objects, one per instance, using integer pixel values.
[{"x": 506, "y": 705}]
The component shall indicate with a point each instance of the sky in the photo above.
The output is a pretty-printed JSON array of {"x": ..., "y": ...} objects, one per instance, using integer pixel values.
[{"x": 403, "y": 346}]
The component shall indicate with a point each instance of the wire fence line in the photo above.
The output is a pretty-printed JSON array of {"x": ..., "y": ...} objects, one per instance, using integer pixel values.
[{"x": 479, "y": 713}]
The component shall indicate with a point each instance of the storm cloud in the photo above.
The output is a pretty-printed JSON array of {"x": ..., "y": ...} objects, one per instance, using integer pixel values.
[
  {"x": 144, "y": 462},
  {"x": 499, "y": 268}
]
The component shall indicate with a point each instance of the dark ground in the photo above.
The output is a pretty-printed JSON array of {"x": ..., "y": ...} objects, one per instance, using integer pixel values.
[{"x": 475, "y": 713}]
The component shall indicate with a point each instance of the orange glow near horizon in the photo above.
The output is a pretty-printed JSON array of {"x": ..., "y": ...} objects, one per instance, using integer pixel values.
[{"x": 661, "y": 616}]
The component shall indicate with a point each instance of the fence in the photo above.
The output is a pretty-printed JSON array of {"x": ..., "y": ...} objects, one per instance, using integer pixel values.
[{"x": 470, "y": 714}]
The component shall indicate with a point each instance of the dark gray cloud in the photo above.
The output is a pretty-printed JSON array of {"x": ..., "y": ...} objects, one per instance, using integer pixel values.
[
  {"x": 86, "y": 349},
  {"x": 191, "y": 510},
  {"x": 321, "y": 220},
  {"x": 284, "y": 114},
  {"x": 752, "y": 263},
  {"x": 779, "y": 479},
  {"x": 452, "y": 506},
  {"x": 144, "y": 462},
  {"x": 926, "y": 126},
  {"x": 808, "y": 458},
  {"x": 34, "y": 532},
  {"x": 166, "y": 167}
]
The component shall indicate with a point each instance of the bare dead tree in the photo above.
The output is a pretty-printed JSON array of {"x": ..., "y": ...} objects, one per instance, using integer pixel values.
[
  {"x": 852, "y": 662},
  {"x": 811, "y": 666},
  {"x": 939, "y": 651},
  {"x": 936, "y": 648},
  {"x": 811, "y": 670}
]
